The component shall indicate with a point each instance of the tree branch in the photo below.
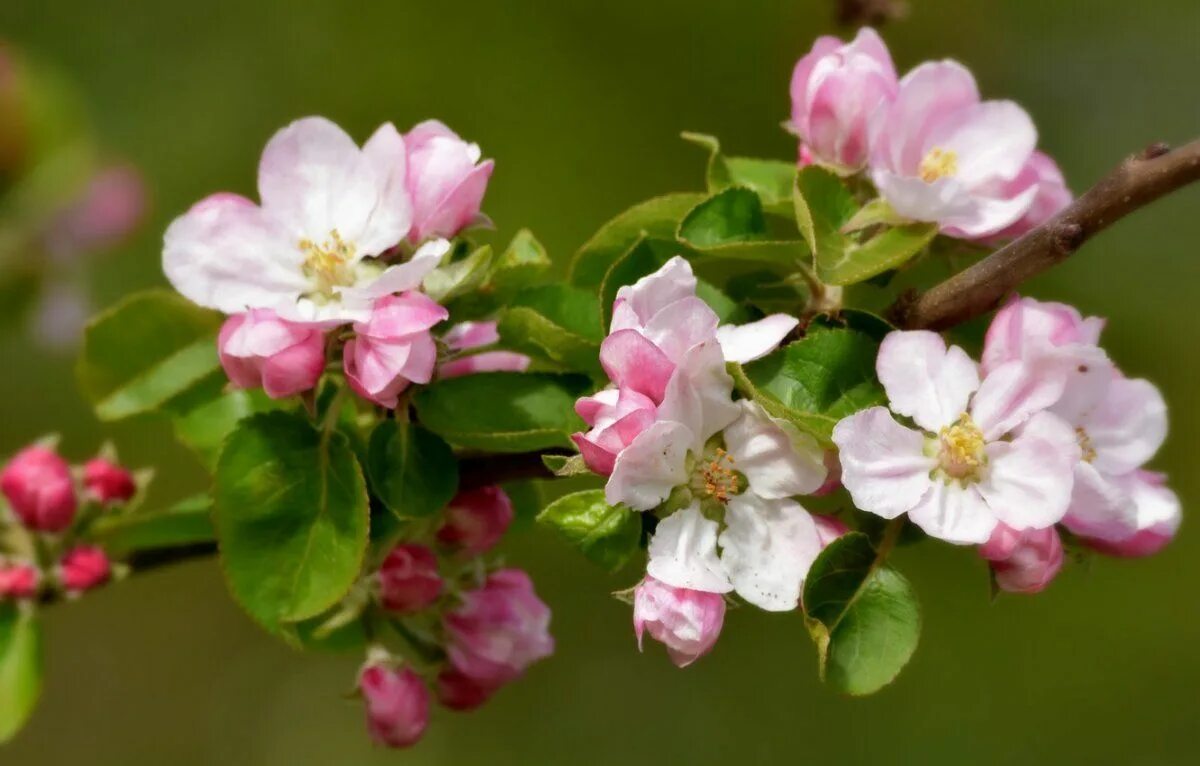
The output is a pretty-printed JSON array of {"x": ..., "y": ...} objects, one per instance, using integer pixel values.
[{"x": 1136, "y": 182}]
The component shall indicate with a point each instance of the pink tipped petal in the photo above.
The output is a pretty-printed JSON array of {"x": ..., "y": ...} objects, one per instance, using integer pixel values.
[
  {"x": 1100, "y": 507},
  {"x": 680, "y": 326},
  {"x": 1158, "y": 517},
  {"x": 460, "y": 208},
  {"x": 777, "y": 460},
  {"x": 767, "y": 548},
  {"x": 884, "y": 465},
  {"x": 398, "y": 315},
  {"x": 747, "y": 342},
  {"x": 699, "y": 394},
  {"x": 927, "y": 95},
  {"x": 954, "y": 513},
  {"x": 687, "y": 622},
  {"x": 465, "y": 335},
  {"x": 632, "y": 361},
  {"x": 1028, "y": 481},
  {"x": 683, "y": 553},
  {"x": 648, "y": 469},
  {"x": 925, "y": 380},
  {"x": 488, "y": 361},
  {"x": 1023, "y": 562},
  {"x": 993, "y": 141},
  {"x": 1013, "y": 393},
  {"x": 643, "y": 299},
  {"x": 296, "y": 369}
]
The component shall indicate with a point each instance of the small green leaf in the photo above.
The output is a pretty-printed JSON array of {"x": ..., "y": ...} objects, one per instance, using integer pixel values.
[
  {"x": 290, "y": 507},
  {"x": 564, "y": 466},
  {"x": 657, "y": 217},
  {"x": 503, "y": 411},
  {"x": 20, "y": 667},
  {"x": 204, "y": 428},
  {"x": 523, "y": 264},
  {"x": 874, "y": 213},
  {"x": 733, "y": 215},
  {"x": 412, "y": 471},
  {"x": 862, "y": 614},
  {"x": 817, "y": 380},
  {"x": 560, "y": 323},
  {"x": 460, "y": 277},
  {"x": 607, "y": 535},
  {"x": 771, "y": 180},
  {"x": 823, "y": 205},
  {"x": 187, "y": 522},
  {"x": 147, "y": 353},
  {"x": 854, "y": 262}
]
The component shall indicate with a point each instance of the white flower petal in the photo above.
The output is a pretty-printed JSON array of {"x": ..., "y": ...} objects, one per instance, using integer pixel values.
[
  {"x": 683, "y": 553},
  {"x": 1128, "y": 426},
  {"x": 925, "y": 380},
  {"x": 884, "y": 465},
  {"x": 747, "y": 342},
  {"x": 767, "y": 548},
  {"x": 1028, "y": 481},
  {"x": 954, "y": 513},
  {"x": 384, "y": 159},
  {"x": 650, "y": 467},
  {"x": 1100, "y": 507},
  {"x": 699, "y": 393},
  {"x": 680, "y": 325},
  {"x": 777, "y": 459},
  {"x": 652, "y": 293},
  {"x": 1014, "y": 392},
  {"x": 991, "y": 140}
]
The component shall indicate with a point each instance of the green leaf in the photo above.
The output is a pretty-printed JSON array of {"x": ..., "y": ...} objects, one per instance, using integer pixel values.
[
  {"x": 147, "y": 353},
  {"x": 732, "y": 215},
  {"x": 564, "y": 466},
  {"x": 644, "y": 257},
  {"x": 523, "y": 264},
  {"x": 560, "y": 323},
  {"x": 503, "y": 411},
  {"x": 20, "y": 667},
  {"x": 290, "y": 508},
  {"x": 771, "y": 180},
  {"x": 607, "y": 535},
  {"x": 459, "y": 277},
  {"x": 204, "y": 428},
  {"x": 823, "y": 205},
  {"x": 875, "y": 213},
  {"x": 817, "y": 380},
  {"x": 411, "y": 470},
  {"x": 657, "y": 217},
  {"x": 852, "y": 262},
  {"x": 862, "y": 614},
  {"x": 187, "y": 522}
]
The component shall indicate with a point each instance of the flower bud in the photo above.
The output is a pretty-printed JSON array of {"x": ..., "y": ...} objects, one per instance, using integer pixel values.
[
  {"x": 459, "y": 692},
  {"x": 836, "y": 90},
  {"x": 476, "y": 520},
  {"x": 616, "y": 417},
  {"x": 83, "y": 568},
  {"x": 1023, "y": 561},
  {"x": 18, "y": 581},
  {"x": 409, "y": 579},
  {"x": 499, "y": 630},
  {"x": 107, "y": 482},
  {"x": 687, "y": 622},
  {"x": 258, "y": 349},
  {"x": 397, "y": 704},
  {"x": 445, "y": 180},
  {"x": 37, "y": 483},
  {"x": 469, "y": 335},
  {"x": 393, "y": 348}
]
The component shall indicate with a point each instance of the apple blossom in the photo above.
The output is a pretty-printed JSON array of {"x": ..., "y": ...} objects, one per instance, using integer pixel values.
[
  {"x": 940, "y": 154},
  {"x": 499, "y": 630},
  {"x": 836, "y": 89},
  {"x": 985, "y": 452},
  {"x": 320, "y": 247},
  {"x": 445, "y": 180},
  {"x": 107, "y": 482},
  {"x": 83, "y": 568},
  {"x": 476, "y": 519},
  {"x": 393, "y": 347},
  {"x": 1023, "y": 561},
  {"x": 466, "y": 336},
  {"x": 408, "y": 579},
  {"x": 397, "y": 704},
  {"x": 18, "y": 581},
  {"x": 258, "y": 349},
  {"x": 687, "y": 622},
  {"x": 38, "y": 486}
]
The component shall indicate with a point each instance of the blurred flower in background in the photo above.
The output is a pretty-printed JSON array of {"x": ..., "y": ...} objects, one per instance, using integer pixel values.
[{"x": 62, "y": 201}]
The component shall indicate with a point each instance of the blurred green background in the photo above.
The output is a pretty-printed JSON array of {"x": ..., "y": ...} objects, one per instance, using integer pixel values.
[{"x": 581, "y": 104}]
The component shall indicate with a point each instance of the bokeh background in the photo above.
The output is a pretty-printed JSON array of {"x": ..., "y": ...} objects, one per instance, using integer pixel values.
[{"x": 581, "y": 104}]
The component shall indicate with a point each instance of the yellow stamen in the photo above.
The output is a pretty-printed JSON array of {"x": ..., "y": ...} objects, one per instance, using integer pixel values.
[
  {"x": 329, "y": 264},
  {"x": 961, "y": 453},
  {"x": 717, "y": 478},
  {"x": 1085, "y": 444},
  {"x": 939, "y": 163}
]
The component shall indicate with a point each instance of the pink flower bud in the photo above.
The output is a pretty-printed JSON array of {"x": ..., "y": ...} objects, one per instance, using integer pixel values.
[
  {"x": 18, "y": 581},
  {"x": 836, "y": 89},
  {"x": 107, "y": 482},
  {"x": 687, "y": 622},
  {"x": 409, "y": 579},
  {"x": 107, "y": 209},
  {"x": 476, "y": 520},
  {"x": 459, "y": 692},
  {"x": 397, "y": 705},
  {"x": 1023, "y": 561},
  {"x": 37, "y": 483},
  {"x": 393, "y": 348},
  {"x": 83, "y": 568},
  {"x": 445, "y": 179},
  {"x": 499, "y": 630},
  {"x": 468, "y": 335},
  {"x": 258, "y": 349},
  {"x": 829, "y": 528}
]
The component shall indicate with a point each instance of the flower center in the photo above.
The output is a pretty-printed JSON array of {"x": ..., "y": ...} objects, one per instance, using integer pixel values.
[
  {"x": 939, "y": 163},
  {"x": 716, "y": 477},
  {"x": 960, "y": 453},
  {"x": 329, "y": 264},
  {"x": 1085, "y": 444}
]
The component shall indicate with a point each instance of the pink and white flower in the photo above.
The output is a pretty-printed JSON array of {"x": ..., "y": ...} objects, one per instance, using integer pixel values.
[
  {"x": 446, "y": 181},
  {"x": 836, "y": 90},
  {"x": 940, "y": 154},
  {"x": 1023, "y": 561},
  {"x": 687, "y": 622},
  {"x": 397, "y": 704},
  {"x": 393, "y": 347},
  {"x": 258, "y": 349},
  {"x": 984, "y": 452},
  {"x": 319, "y": 247},
  {"x": 467, "y": 336}
]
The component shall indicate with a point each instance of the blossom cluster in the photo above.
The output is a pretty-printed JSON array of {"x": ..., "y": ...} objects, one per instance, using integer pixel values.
[
  {"x": 933, "y": 148},
  {"x": 466, "y": 633},
  {"x": 50, "y": 509},
  {"x": 334, "y": 257}
]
